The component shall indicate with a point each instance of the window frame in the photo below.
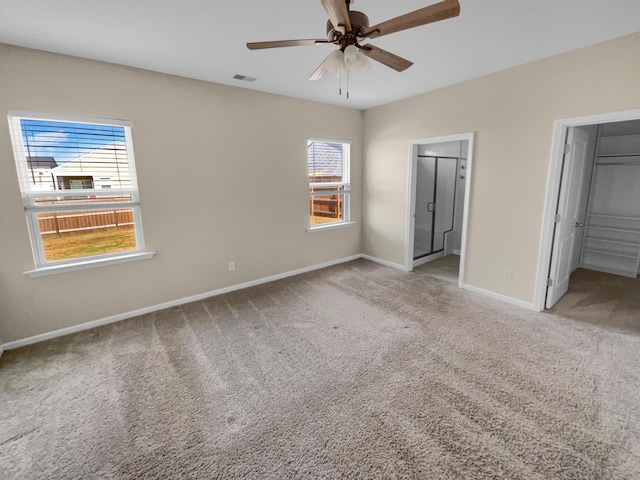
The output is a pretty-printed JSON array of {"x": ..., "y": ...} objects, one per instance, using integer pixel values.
[
  {"x": 32, "y": 210},
  {"x": 346, "y": 186}
]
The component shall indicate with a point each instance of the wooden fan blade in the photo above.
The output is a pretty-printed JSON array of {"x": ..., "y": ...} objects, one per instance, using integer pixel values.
[
  {"x": 430, "y": 14},
  {"x": 284, "y": 43},
  {"x": 318, "y": 73},
  {"x": 386, "y": 58},
  {"x": 338, "y": 13}
]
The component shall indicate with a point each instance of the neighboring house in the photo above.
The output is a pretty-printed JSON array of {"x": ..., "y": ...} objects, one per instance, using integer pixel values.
[
  {"x": 325, "y": 162},
  {"x": 104, "y": 167},
  {"x": 40, "y": 173}
]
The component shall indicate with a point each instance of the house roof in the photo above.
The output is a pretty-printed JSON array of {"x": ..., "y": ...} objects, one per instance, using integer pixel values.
[
  {"x": 99, "y": 159},
  {"x": 41, "y": 162},
  {"x": 325, "y": 159}
]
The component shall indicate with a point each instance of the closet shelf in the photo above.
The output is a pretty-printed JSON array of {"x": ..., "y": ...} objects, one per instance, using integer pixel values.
[
  {"x": 611, "y": 241},
  {"x": 619, "y": 217},
  {"x": 604, "y": 251},
  {"x": 616, "y": 242},
  {"x": 615, "y": 229},
  {"x": 617, "y": 155}
]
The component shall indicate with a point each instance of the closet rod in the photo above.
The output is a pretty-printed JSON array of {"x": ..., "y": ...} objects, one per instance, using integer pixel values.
[{"x": 617, "y": 163}]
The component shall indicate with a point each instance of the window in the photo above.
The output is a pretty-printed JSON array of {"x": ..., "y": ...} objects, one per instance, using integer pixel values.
[
  {"x": 328, "y": 182},
  {"x": 63, "y": 166},
  {"x": 81, "y": 184}
]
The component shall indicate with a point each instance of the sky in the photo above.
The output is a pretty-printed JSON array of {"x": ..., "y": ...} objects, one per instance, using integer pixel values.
[{"x": 66, "y": 141}]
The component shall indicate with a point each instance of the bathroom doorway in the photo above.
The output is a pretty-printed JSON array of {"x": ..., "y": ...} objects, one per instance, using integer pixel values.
[{"x": 439, "y": 175}]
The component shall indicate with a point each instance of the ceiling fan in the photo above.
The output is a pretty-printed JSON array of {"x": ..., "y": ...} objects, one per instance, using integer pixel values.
[{"x": 347, "y": 29}]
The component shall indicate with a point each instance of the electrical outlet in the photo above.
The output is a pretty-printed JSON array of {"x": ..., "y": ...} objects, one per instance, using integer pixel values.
[
  {"x": 507, "y": 274},
  {"x": 232, "y": 266}
]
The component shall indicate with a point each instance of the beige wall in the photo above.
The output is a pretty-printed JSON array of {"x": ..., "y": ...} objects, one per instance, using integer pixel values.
[
  {"x": 222, "y": 174},
  {"x": 513, "y": 114}
]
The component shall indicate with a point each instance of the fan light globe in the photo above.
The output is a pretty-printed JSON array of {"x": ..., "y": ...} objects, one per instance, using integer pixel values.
[
  {"x": 335, "y": 62},
  {"x": 351, "y": 60},
  {"x": 354, "y": 59}
]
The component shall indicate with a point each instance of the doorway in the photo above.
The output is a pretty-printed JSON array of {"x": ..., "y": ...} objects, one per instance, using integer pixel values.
[
  {"x": 583, "y": 210},
  {"x": 439, "y": 181}
]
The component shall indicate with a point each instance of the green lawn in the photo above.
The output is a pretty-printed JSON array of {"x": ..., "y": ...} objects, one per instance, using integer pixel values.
[{"x": 84, "y": 244}]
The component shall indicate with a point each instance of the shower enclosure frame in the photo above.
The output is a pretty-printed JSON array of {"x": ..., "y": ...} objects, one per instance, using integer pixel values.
[{"x": 432, "y": 206}]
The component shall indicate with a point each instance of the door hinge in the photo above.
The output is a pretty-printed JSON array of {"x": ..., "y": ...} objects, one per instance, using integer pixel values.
[
  {"x": 558, "y": 218},
  {"x": 549, "y": 282},
  {"x": 567, "y": 148}
]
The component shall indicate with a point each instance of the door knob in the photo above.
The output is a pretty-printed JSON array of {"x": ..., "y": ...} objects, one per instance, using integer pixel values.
[{"x": 579, "y": 225}]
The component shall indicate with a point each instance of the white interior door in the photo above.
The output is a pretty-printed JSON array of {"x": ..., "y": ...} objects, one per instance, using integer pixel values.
[{"x": 567, "y": 220}]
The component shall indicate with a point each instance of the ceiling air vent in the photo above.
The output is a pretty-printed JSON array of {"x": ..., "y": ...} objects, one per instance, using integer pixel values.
[{"x": 244, "y": 78}]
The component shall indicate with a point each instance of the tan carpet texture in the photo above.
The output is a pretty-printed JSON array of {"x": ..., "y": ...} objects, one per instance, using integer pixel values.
[
  {"x": 355, "y": 371},
  {"x": 602, "y": 299}
]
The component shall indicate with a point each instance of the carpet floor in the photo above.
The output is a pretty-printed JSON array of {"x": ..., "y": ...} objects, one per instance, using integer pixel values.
[
  {"x": 354, "y": 371},
  {"x": 611, "y": 301}
]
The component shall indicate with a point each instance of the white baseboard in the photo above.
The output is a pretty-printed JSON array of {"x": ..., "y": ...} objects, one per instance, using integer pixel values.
[
  {"x": 497, "y": 296},
  {"x": 174, "y": 303},
  {"x": 142, "y": 311},
  {"x": 384, "y": 262}
]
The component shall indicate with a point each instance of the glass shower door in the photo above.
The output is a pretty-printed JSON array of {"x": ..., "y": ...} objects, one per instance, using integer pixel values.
[
  {"x": 425, "y": 206},
  {"x": 435, "y": 203},
  {"x": 445, "y": 193}
]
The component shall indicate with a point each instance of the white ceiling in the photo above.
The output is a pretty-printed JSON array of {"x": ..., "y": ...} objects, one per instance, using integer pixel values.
[{"x": 205, "y": 39}]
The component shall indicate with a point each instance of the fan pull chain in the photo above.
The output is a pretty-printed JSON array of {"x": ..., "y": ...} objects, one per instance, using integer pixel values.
[
  {"x": 346, "y": 82},
  {"x": 348, "y": 75}
]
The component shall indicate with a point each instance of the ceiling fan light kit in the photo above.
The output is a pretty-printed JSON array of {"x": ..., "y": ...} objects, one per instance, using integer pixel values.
[
  {"x": 351, "y": 60},
  {"x": 334, "y": 63},
  {"x": 342, "y": 64},
  {"x": 346, "y": 29}
]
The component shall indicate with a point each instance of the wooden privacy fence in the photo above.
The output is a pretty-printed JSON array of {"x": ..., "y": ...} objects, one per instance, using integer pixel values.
[
  {"x": 83, "y": 220},
  {"x": 329, "y": 206}
]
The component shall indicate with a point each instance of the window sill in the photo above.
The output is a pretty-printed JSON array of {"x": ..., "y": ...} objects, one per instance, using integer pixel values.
[
  {"x": 84, "y": 264},
  {"x": 329, "y": 226}
]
